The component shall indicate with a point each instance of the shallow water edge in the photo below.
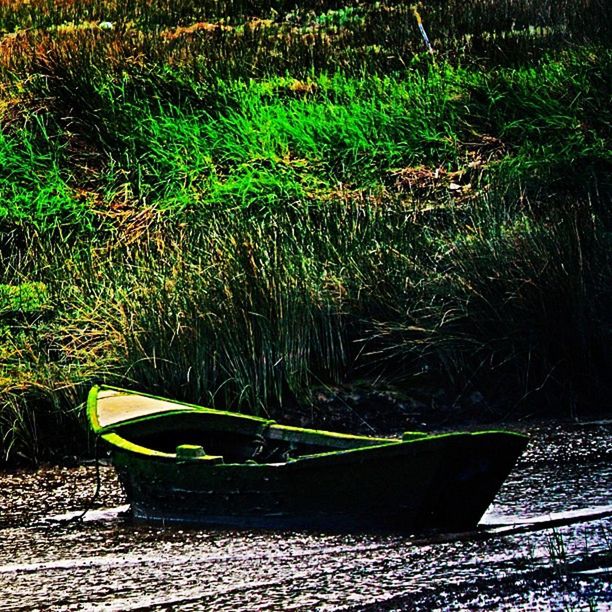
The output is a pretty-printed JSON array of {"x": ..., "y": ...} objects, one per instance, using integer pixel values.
[{"x": 106, "y": 562}]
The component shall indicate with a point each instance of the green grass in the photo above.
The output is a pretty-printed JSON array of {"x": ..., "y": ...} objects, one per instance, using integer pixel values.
[{"x": 264, "y": 143}]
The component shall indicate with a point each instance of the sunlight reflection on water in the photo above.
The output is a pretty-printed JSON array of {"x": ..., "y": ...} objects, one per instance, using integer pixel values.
[{"x": 108, "y": 563}]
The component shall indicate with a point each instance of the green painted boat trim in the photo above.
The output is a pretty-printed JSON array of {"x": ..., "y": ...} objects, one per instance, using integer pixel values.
[
  {"x": 274, "y": 431},
  {"x": 345, "y": 444},
  {"x": 181, "y": 408},
  {"x": 116, "y": 440}
]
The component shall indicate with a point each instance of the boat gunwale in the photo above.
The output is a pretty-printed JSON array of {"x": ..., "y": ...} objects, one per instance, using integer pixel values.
[
  {"x": 118, "y": 441},
  {"x": 391, "y": 447},
  {"x": 182, "y": 408},
  {"x": 187, "y": 408}
]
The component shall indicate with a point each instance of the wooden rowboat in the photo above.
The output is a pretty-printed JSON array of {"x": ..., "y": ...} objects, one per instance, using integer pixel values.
[{"x": 184, "y": 463}]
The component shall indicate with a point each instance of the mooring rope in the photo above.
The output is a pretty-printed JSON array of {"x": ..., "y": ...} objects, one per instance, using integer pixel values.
[{"x": 79, "y": 517}]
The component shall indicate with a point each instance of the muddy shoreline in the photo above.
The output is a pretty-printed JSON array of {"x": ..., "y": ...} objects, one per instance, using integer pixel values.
[{"x": 107, "y": 562}]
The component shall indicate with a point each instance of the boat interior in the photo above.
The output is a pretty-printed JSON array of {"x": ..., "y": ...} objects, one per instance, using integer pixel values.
[
  {"x": 235, "y": 441},
  {"x": 169, "y": 427}
]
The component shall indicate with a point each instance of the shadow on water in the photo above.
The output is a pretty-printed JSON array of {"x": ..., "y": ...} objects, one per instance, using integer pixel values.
[{"x": 107, "y": 563}]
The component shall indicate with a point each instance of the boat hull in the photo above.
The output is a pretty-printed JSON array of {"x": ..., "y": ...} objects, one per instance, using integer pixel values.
[{"x": 444, "y": 482}]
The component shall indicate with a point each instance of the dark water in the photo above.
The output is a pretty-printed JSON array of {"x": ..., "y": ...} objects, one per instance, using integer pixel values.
[{"x": 107, "y": 563}]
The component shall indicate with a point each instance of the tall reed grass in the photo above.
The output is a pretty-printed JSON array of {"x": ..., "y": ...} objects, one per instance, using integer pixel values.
[{"x": 255, "y": 313}]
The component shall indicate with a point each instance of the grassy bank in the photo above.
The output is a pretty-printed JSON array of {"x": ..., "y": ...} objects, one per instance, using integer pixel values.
[{"x": 242, "y": 213}]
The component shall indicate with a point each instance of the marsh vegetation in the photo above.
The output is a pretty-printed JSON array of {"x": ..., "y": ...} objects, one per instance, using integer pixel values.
[{"x": 240, "y": 204}]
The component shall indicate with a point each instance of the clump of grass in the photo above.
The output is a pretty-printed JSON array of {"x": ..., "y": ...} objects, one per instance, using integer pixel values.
[{"x": 24, "y": 298}]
